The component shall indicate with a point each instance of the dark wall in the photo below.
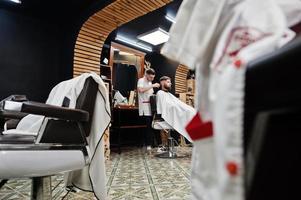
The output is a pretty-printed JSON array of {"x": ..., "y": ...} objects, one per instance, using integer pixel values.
[
  {"x": 37, "y": 45},
  {"x": 163, "y": 67},
  {"x": 30, "y": 56}
]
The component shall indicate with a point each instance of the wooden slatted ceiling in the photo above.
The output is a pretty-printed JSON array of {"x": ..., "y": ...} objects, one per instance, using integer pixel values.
[
  {"x": 96, "y": 29},
  {"x": 180, "y": 79}
]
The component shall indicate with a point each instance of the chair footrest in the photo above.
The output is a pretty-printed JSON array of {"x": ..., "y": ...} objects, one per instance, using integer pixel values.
[
  {"x": 17, "y": 139},
  {"x": 33, "y": 163}
]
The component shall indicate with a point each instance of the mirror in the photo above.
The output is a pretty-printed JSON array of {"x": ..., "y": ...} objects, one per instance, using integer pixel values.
[{"x": 127, "y": 66}]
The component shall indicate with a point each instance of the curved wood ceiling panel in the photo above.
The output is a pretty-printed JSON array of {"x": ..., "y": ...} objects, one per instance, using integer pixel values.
[{"x": 96, "y": 29}]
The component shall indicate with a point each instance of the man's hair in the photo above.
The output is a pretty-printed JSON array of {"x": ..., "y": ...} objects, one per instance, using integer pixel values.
[
  {"x": 150, "y": 71},
  {"x": 164, "y": 78}
]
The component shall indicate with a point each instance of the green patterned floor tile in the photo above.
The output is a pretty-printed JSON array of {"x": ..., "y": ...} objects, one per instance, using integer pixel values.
[{"x": 132, "y": 175}]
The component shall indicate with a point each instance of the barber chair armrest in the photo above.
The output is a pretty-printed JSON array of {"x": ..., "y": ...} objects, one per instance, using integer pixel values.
[
  {"x": 15, "y": 97},
  {"x": 12, "y": 123},
  {"x": 158, "y": 117},
  {"x": 12, "y": 114},
  {"x": 46, "y": 110},
  {"x": 18, "y": 98},
  {"x": 7, "y": 114}
]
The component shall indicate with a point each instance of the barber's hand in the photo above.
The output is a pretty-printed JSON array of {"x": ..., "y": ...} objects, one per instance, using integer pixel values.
[{"x": 156, "y": 85}]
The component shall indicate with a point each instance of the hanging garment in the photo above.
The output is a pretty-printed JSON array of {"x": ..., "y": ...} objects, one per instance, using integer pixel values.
[
  {"x": 133, "y": 77},
  {"x": 223, "y": 40},
  {"x": 121, "y": 79},
  {"x": 291, "y": 9},
  {"x": 125, "y": 78}
]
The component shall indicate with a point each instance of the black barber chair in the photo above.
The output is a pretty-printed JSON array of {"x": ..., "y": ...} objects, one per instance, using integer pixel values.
[
  {"x": 59, "y": 146},
  {"x": 16, "y": 116},
  {"x": 158, "y": 123},
  {"x": 272, "y": 125}
]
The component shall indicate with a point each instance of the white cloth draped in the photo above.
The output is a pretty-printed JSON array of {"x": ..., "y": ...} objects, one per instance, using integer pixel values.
[
  {"x": 176, "y": 113},
  {"x": 92, "y": 177},
  {"x": 219, "y": 38}
]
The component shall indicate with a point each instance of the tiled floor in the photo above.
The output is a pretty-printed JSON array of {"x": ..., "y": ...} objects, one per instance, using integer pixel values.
[{"x": 130, "y": 176}]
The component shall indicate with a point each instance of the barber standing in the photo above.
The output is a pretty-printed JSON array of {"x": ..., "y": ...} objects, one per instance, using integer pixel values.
[{"x": 145, "y": 90}]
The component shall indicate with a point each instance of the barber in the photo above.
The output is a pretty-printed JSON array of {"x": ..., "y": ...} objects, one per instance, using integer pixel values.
[{"x": 145, "y": 90}]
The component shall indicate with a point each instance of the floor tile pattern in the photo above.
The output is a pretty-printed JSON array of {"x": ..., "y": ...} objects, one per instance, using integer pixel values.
[{"x": 134, "y": 174}]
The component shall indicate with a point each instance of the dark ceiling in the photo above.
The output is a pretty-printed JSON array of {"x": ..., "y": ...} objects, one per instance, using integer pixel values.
[
  {"x": 52, "y": 10},
  {"x": 147, "y": 23},
  {"x": 63, "y": 12}
]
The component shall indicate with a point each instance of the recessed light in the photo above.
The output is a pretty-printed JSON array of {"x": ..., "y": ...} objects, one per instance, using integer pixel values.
[
  {"x": 130, "y": 42},
  {"x": 170, "y": 18},
  {"x": 154, "y": 37},
  {"x": 16, "y": 1},
  {"x": 123, "y": 53}
]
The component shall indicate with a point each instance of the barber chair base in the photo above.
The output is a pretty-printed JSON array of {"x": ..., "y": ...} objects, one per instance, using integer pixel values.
[
  {"x": 41, "y": 188},
  {"x": 2, "y": 183},
  {"x": 167, "y": 155},
  {"x": 22, "y": 164},
  {"x": 170, "y": 155}
]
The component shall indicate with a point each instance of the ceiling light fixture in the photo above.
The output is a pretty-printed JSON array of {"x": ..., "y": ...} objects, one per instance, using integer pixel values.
[
  {"x": 154, "y": 37},
  {"x": 171, "y": 19},
  {"x": 130, "y": 42},
  {"x": 16, "y": 1},
  {"x": 123, "y": 53}
]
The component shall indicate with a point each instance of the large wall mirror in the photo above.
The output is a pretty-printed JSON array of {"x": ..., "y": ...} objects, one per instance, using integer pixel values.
[{"x": 127, "y": 66}]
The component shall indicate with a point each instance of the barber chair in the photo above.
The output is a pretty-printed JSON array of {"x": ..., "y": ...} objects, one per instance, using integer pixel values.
[
  {"x": 60, "y": 145},
  {"x": 158, "y": 123},
  {"x": 272, "y": 125}
]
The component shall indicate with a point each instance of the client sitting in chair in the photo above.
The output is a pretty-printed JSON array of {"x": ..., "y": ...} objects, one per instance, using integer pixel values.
[{"x": 176, "y": 113}]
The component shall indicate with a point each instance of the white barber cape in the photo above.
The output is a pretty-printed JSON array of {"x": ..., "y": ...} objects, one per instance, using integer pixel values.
[
  {"x": 92, "y": 177},
  {"x": 176, "y": 113},
  {"x": 219, "y": 38}
]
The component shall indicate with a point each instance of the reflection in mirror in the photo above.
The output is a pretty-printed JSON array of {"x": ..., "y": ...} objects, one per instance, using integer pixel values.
[
  {"x": 125, "y": 72},
  {"x": 127, "y": 66}
]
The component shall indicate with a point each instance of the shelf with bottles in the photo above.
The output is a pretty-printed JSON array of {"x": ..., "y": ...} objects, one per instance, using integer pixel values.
[{"x": 187, "y": 98}]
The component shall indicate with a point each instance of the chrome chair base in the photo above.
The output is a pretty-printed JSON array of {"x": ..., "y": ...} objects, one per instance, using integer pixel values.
[
  {"x": 167, "y": 155},
  {"x": 41, "y": 188},
  {"x": 170, "y": 153}
]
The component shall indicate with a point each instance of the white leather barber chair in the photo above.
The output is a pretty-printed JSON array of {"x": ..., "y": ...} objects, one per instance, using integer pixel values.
[
  {"x": 59, "y": 146},
  {"x": 159, "y": 124}
]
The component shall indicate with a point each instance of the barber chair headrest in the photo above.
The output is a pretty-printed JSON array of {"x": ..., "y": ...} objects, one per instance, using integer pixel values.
[
  {"x": 86, "y": 101},
  {"x": 153, "y": 104}
]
